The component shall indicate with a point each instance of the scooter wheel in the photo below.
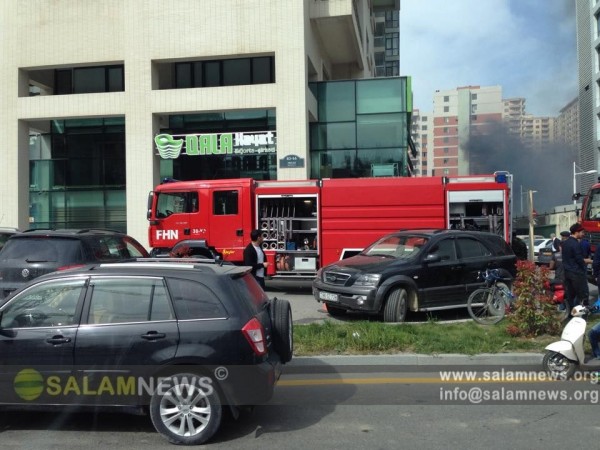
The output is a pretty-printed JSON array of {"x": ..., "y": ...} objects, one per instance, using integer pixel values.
[{"x": 558, "y": 366}]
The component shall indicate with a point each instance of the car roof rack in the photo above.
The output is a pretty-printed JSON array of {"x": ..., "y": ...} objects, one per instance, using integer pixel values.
[{"x": 188, "y": 260}]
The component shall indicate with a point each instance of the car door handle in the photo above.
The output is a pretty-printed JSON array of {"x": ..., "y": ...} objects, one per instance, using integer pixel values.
[
  {"x": 153, "y": 335},
  {"x": 56, "y": 340}
]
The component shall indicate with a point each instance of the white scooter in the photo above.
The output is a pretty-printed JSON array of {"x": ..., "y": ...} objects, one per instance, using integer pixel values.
[{"x": 564, "y": 356}]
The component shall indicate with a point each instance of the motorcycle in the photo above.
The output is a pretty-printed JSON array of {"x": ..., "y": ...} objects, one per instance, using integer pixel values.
[{"x": 564, "y": 356}]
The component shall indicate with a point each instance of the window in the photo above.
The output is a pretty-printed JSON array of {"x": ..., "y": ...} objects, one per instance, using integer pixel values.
[
  {"x": 193, "y": 300},
  {"x": 470, "y": 248},
  {"x": 392, "y": 44},
  {"x": 424, "y": 118},
  {"x": 445, "y": 161},
  {"x": 84, "y": 80},
  {"x": 423, "y": 136},
  {"x": 423, "y": 127},
  {"x": 446, "y": 109},
  {"x": 120, "y": 300},
  {"x": 224, "y": 72},
  {"x": 473, "y": 96},
  {"x": 473, "y": 109},
  {"x": 445, "y": 248},
  {"x": 446, "y": 98},
  {"x": 446, "y": 119},
  {"x": 49, "y": 304},
  {"x": 445, "y": 129},
  {"x": 225, "y": 203},
  {"x": 445, "y": 149},
  {"x": 176, "y": 203}
]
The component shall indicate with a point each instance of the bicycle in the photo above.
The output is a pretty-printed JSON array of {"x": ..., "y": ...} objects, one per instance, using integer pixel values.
[{"x": 487, "y": 305}]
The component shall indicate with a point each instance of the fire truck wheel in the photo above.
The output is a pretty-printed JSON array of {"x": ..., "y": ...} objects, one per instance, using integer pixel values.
[
  {"x": 283, "y": 338},
  {"x": 395, "y": 306}
]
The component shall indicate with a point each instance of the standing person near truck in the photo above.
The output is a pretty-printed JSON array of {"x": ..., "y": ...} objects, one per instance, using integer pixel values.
[
  {"x": 576, "y": 284},
  {"x": 254, "y": 256}
]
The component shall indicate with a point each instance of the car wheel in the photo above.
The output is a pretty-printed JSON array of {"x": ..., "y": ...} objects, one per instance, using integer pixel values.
[
  {"x": 283, "y": 331},
  {"x": 186, "y": 409},
  {"x": 396, "y": 306},
  {"x": 335, "y": 311}
]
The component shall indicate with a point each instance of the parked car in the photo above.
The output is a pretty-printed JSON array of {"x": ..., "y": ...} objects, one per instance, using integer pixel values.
[
  {"x": 412, "y": 271},
  {"x": 180, "y": 341},
  {"x": 5, "y": 233},
  {"x": 33, "y": 253},
  {"x": 545, "y": 255},
  {"x": 538, "y": 244}
]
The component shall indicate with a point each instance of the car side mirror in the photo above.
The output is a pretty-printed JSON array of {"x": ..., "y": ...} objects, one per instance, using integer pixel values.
[{"x": 433, "y": 258}]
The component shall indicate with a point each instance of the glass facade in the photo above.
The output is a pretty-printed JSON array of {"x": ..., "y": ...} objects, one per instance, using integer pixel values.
[
  {"x": 77, "y": 175},
  {"x": 363, "y": 128},
  {"x": 207, "y": 167}
]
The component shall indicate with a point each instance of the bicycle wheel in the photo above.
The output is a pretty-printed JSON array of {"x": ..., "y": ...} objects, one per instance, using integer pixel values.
[{"x": 485, "y": 306}]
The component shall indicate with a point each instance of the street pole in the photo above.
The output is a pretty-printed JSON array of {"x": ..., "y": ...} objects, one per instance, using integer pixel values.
[
  {"x": 531, "y": 231},
  {"x": 574, "y": 183}
]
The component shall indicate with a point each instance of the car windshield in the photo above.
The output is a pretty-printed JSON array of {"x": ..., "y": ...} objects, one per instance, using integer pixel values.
[
  {"x": 397, "y": 246},
  {"x": 539, "y": 241}
]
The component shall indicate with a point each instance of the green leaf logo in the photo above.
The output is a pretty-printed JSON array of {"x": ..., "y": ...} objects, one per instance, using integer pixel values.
[{"x": 168, "y": 148}]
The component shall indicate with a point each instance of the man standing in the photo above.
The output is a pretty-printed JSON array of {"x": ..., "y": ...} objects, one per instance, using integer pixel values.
[
  {"x": 576, "y": 285},
  {"x": 254, "y": 256},
  {"x": 555, "y": 243}
]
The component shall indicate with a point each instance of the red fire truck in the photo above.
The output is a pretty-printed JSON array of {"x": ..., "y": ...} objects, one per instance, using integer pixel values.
[
  {"x": 590, "y": 215},
  {"x": 311, "y": 223}
]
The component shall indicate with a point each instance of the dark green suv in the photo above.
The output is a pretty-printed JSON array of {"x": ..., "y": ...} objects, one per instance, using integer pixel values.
[{"x": 419, "y": 270}]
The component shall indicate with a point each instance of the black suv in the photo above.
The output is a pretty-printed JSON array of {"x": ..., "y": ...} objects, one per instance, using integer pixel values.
[
  {"x": 33, "y": 253},
  {"x": 178, "y": 339},
  {"x": 412, "y": 270}
]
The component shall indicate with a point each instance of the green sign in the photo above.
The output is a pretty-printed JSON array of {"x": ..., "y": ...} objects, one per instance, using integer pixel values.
[{"x": 254, "y": 143}]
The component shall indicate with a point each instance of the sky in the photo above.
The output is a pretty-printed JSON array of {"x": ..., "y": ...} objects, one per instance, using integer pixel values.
[{"x": 526, "y": 46}]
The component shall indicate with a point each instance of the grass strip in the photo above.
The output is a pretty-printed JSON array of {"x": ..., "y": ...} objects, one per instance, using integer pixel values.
[{"x": 366, "y": 337}]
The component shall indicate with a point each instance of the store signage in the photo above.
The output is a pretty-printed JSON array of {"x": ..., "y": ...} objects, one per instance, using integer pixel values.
[
  {"x": 254, "y": 143},
  {"x": 291, "y": 162}
]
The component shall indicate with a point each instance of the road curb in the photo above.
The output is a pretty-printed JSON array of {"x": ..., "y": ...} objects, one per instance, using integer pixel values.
[{"x": 409, "y": 359}]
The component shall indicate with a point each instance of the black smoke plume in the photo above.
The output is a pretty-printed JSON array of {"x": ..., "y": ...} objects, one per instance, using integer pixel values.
[{"x": 547, "y": 169}]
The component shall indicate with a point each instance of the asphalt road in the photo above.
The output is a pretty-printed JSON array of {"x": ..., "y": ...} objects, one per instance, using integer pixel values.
[{"x": 379, "y": 404}]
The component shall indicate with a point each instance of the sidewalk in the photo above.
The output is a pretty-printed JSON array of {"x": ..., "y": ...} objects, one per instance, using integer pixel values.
[{"x": 411, "y": 359}]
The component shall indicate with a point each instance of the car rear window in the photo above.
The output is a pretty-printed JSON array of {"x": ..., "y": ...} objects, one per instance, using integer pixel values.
[
  {"x": 63, "y": 251},
  {"x": 193, "y": 300},
  {"x": 251, "y": 290}
]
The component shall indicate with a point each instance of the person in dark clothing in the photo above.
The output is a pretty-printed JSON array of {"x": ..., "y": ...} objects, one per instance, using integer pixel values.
[
  {"x": 254, "y": 256},
  {"x": 555, "y": 243},
  {"x": 519, "y": 247},
  {"x": 576, "y": 285}
]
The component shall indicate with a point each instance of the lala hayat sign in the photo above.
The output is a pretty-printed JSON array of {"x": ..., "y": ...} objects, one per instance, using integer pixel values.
[{"x": 254, "y": 143}]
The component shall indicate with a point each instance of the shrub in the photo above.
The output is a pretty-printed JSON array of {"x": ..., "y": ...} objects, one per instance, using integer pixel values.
[{"x": 533, "y": 313}]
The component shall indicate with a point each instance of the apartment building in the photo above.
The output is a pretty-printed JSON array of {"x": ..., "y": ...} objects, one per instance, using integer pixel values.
[{"x": 457, "y": 115}]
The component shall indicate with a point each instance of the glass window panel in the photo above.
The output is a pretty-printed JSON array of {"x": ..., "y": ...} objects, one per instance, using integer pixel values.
[
  {"x": 378, "y": 96},
  {"x": 84, "y": 172},
  {"x": 89, "y": 79},
  {"x": 225, "y": 203},
  {"x": 40, "y": 175},
  {"x": 237, "y": 72},
  {"x": 198, "y": 74},
  {"x": 336, "y": 101},
  {"x": 262, "y": 70},
  {"x": 115, "y": 79},
  {"x": 63, "y": 83},
  {"x": 333, "y": 135},
  {"x": 183, "y": 75},
  {"x": 59, "y": 171},
  {"x": 114, "y": 172},
  {"x": 212, "y": 73},
  {"x": 381, "y": 130}
]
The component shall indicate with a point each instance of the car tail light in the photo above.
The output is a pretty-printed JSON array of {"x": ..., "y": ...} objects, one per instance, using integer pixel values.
[{"x": 255, "y": 334}]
